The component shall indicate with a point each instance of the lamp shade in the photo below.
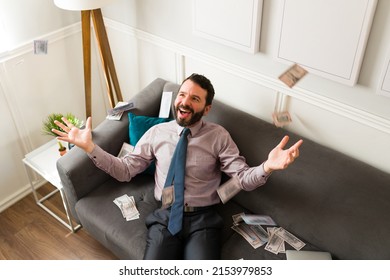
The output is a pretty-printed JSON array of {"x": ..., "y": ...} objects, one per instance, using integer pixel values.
[{"x": 80, "y": 5}]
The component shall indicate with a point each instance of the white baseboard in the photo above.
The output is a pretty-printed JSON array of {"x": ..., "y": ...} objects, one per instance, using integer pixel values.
[{"x": 15, "y": 197}]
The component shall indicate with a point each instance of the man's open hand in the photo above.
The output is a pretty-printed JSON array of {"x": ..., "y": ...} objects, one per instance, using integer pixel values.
[
  {"x": 82, "y": 138},
  {"x": 280, "y": 159}
]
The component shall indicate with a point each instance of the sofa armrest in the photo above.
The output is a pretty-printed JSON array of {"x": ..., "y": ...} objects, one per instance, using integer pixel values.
[{"x": 78, "y": 173}]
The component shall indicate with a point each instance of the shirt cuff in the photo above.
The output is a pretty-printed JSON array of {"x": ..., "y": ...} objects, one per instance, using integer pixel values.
[
  {"x": 265, "y": 174},
  {"x": 96, "y": 152}
]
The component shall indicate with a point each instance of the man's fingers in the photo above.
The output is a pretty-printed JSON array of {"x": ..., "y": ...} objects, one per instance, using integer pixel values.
[
  {"x": 62, "y": 126},
  {"x": 294, "y": 153},
  {"x": 88, "y": 124},
  {"x": 283, "y": 142},
  {"x": 67, "y": 122},
  {"x": 297, "y": 145},
  {"x": 294, "y": 150},
  {"x": 59, "y": 133}
]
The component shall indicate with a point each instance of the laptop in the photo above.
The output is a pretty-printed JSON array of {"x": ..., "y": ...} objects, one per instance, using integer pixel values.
[{"x": 307, "y": 255}]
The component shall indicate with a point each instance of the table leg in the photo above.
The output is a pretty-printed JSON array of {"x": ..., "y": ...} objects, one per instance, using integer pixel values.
[
  {"x": 39, "y": 202},
  {"x": 31, "y": 183},
  {"x": 65, "y": 202}
]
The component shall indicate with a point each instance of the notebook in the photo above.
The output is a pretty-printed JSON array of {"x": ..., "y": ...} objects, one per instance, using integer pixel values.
[{"x": 307, "y": 255}]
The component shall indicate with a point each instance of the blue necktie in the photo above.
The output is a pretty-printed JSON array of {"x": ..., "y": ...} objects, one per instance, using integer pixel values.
[{"x": 176, "y": 176}]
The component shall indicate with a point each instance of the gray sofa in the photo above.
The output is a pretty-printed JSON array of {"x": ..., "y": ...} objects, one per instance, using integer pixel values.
[{"x": 330, "y": 201}]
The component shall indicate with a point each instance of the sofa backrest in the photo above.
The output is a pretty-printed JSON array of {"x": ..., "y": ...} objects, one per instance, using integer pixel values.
[{"x": 327, "y": 198}]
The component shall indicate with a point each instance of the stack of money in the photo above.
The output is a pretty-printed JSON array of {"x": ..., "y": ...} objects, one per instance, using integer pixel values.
[
  {"x": 251, "y": 228},
  {"x": 117, "y": 112},
  {"x": 277, "y": 237},
  {"x": 127, "y": 206}
]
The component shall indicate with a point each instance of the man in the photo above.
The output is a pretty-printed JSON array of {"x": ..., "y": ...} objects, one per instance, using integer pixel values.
[{"x": 210, "y": 151}]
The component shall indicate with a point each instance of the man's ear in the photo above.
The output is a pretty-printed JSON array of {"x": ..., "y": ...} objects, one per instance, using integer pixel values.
[{"x": 207, "y": 110}]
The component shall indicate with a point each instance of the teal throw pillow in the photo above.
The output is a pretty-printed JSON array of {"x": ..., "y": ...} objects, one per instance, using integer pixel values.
[{"x": 138, "y": 125}]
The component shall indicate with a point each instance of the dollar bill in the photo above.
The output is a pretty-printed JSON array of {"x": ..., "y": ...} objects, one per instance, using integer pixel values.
[
  {"x": 237, "y": 218},
  {"x": 167, "y": 197},
  {"x": 252, "y": 219},
  {"x": 275, "y": 243},
  {"x": 260, "y": 232},
  {"x": 281, "y": 118},
  {"x": 270, "y": 230},
  {"x": 282, "y": 248},
  {"x": 229, "y": 189},
  {"x": 292, "y": 75},
  {"x": 126, "y": 149},
  {"x": 249, "y": 235},
  {"x": 116, "y": 115},
  {"x": 291, "y": 239},
  {"x": 121, "y": 107}
]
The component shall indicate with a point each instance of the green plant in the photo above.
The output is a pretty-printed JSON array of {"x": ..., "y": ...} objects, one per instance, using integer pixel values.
[
  {"x": 62, "y": 148},
  {"x": 48, "y": 124}
]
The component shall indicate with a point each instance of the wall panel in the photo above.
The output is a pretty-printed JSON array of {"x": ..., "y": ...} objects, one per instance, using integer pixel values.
[
  {"x": 328, "y": 38},
  {"x": 235, "y": 23},
  {"x": 384, "y": 81}
]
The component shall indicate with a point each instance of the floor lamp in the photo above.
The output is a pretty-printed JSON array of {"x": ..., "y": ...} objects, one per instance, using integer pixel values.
[{"x": 90, "y": 9}]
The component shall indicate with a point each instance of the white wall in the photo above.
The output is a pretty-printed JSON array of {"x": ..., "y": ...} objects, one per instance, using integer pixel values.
[
  {"x": 152, "y": 39},
  {"x": 33, "y": 86}
]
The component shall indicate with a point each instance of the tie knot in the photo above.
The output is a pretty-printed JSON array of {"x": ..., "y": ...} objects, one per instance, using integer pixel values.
[{"x": 185, "y": 132}]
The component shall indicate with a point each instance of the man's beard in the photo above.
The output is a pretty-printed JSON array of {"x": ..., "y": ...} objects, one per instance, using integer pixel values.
[{"x": 195, "y": 117}]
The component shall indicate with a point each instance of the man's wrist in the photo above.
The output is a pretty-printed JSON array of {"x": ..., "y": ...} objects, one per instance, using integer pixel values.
[
  {"x": 266, "y": 168},
  {"x": 89, "y": 148}
]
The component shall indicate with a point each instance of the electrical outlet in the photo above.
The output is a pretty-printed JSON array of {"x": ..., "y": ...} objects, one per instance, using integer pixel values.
[{"x": 40, "y": 46}]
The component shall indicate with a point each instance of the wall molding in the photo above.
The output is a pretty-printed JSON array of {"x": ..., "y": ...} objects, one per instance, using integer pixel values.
[{"x": 342, "y": 109}]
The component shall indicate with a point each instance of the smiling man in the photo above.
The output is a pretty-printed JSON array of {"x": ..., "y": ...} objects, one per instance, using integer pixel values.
[{"x": 210, "y": 151}]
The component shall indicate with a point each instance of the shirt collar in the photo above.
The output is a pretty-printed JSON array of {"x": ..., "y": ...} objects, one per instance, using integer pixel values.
[{"x": 194, "y": 129}]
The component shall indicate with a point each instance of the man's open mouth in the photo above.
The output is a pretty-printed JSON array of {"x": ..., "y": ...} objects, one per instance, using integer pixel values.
[{"x": 184, "y": 112}]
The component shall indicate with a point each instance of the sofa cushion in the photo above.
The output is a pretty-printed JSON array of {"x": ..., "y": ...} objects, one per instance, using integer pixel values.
[
  {"x": 138, "y": 125},
  {"x": 102, "y": 218}
]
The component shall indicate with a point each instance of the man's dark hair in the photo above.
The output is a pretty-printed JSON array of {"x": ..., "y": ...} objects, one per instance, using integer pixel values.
[{"x": 204, "y": 83}]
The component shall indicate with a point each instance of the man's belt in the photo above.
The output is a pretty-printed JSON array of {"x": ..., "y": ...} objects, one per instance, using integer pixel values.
[{"x": 190, "y": 209}]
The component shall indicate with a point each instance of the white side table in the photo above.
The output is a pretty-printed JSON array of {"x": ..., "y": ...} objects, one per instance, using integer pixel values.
[{"x": 43, "y": 161}]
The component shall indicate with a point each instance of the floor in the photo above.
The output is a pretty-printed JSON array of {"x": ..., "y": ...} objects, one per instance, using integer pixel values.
[{"x": 27, "y": 232}]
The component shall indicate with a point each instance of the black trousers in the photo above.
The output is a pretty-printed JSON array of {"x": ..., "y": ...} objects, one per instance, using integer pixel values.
[{"x": 199, "y": 238}]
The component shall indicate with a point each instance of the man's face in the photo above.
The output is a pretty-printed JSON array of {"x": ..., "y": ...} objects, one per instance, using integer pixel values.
[{"x": 190, "y": 104}]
